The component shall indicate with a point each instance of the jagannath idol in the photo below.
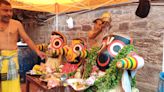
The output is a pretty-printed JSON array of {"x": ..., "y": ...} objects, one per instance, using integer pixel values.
[
  {"x": 114, "y": 54},
  {"x": 111, "y": 45}
]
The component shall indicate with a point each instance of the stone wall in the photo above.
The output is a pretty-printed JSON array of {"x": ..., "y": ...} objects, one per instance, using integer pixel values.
[{"x": 147, "y": 34}]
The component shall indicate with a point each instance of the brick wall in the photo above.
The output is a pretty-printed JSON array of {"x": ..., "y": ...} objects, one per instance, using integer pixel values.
[{"x": 147, "y": 34}]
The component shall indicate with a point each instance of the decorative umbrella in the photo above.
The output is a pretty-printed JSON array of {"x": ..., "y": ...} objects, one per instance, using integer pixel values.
[{"x": 63, "y": 6}]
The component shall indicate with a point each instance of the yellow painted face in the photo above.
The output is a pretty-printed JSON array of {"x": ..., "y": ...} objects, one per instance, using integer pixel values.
[{"x": 76, "y": 52}]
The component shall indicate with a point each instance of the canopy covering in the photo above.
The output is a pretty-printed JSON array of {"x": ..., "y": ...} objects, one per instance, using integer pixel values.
[{"x": 61, "y": 6}]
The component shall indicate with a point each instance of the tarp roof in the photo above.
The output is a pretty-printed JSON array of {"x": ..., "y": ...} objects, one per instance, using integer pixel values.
[{"x": 60, "y": 6}]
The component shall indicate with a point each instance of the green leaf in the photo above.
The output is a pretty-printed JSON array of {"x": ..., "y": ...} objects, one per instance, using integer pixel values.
[{"x": 113, "y": 75}]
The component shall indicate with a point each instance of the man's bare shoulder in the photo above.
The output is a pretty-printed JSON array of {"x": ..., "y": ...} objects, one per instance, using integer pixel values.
[{"x": 15, "y": 22}]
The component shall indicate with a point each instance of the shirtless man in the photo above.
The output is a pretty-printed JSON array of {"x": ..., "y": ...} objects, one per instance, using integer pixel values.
[{"x": 10, "y": 29}]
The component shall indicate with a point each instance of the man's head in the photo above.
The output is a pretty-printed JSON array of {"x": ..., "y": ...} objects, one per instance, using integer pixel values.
[
  {"x": 97, "y": 24},
  {"x": 6, "y": 11}
]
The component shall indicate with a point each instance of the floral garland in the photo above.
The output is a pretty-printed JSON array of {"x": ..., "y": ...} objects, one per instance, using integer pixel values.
[
  {"x": 113, "y": 75},
  {"x": 91, "y": 58}
]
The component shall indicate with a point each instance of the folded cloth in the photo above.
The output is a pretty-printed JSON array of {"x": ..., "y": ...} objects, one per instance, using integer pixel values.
[
  {"x": 12, "y": 71},
  {"x": 9, "y": 69}
]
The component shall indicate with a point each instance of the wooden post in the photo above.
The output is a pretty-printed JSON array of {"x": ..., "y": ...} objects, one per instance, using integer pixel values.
[{"x": 163, "y": 55}]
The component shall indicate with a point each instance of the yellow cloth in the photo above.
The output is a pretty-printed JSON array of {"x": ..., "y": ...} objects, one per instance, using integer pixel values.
[{"x": 9, "y": 85}]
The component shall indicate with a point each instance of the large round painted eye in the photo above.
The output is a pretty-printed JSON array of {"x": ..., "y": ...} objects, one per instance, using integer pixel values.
[
  {"x": 103, "y": 60},
  {"x": 77, "y": 48},
  {"x": 115, "y": 46},
  {"x": 57, "y": 43}
]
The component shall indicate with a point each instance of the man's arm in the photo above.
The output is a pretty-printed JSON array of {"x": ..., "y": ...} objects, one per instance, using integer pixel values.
[
  {"x": 27, "y": 39},
  {"x": 93, "y": 33}
]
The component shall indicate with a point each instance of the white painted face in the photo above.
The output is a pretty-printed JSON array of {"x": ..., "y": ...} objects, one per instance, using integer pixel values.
[{"x": 56, "y": 42}]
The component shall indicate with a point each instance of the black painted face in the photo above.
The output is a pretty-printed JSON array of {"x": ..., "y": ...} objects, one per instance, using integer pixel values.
[
  {"x": 103, "y": 60},
  {"x": 117, "y": 44},
  {"x": 111, "y": 50}
]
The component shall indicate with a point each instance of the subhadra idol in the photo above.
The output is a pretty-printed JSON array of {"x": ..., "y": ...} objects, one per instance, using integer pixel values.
[{"x": 75, "y": 57}]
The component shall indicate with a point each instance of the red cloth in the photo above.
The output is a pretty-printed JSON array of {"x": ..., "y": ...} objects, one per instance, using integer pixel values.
[{"x": 68, "y": 68}]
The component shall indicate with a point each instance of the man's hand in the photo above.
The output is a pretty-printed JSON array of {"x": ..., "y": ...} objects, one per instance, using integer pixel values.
[{"x": 41, "y": 54}]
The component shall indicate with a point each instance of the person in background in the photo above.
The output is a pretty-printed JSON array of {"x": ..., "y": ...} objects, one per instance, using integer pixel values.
[
  {"x": 10, "y": 29},
  {"x": 102, "y": 26},
  {"x": 97, "y": 28}
]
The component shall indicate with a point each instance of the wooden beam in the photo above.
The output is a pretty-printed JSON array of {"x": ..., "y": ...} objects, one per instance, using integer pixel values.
[{"x": 157, "y": 3}]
